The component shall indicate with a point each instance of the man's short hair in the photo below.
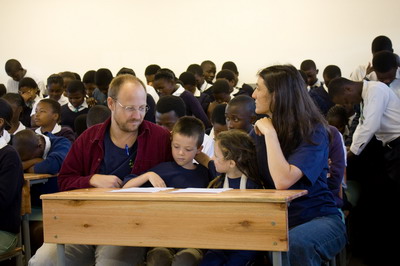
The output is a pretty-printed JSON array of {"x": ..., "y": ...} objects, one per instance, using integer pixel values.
[
  {"x": 220, "y": 86},
  {"x": 226, "y": 74},
  {"x": 188, "y": 78},
  {"x": 381, "y": 43},
  {"x": 12, "y": 65},
  {"x": 230, "y": 66},
  {"x": 332, "y": 72},
  {"x": 245, "y": 101},
  {"x": 337, "y": 86},
  {"x": 151, "y": 70},
  {"x": 117, "y": 82},
  {"x": 97, "y": 114},
  {"x": 195, "y": 69},
  {"x": 307, "y": 65},
  {"x": 384, "y": 61},
  {"x": 27, "y": 82},
  {"x": 190, "y": 126},
  {"x": 170, "y": 103}
]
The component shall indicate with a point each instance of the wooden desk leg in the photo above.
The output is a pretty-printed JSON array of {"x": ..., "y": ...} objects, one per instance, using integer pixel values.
[
  {"x": 27, "y": 237},
  {"x": 277, "y": 258},
  {"x": 60, "y": 255}
]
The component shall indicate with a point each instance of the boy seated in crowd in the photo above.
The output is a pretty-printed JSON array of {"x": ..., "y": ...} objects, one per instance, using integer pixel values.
[
  {"x": 189, "y": 83},
  {"x": 76, "y": 104},
  {"x": 240, "y": 113},
  {"x": 220, "y": 92},
  {"x": 218, "y": 120},
  {"x": 103, "y": 78},
  {"x": 48, "y": 114}
]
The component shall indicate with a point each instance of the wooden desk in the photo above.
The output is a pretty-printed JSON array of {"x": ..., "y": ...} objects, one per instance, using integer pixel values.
[
  {"x": 235, "y": 219},
  {"x": 26, "y": 208}
]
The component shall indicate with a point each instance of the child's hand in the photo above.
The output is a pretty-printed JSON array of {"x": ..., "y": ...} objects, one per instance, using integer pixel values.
[
  {"x": 156, "y": 180},
  {"x": 264, "y": 126}
]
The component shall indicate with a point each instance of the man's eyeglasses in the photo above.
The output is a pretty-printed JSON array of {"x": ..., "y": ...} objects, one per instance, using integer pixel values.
[{"x": 130, "y": 109}]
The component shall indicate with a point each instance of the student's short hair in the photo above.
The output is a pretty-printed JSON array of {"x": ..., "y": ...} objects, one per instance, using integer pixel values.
[
  {"x": 89, "y": 76},
  {"x": 190, "y": 126},
  {"x": 332, "y": 72},
  {"x": 207, "y": 62},
  {"x": 151, "y": 70},
  {"x": 196, "y": 69},
  {"x": 76, "y": 86},
  {"x": 3, "y": 89},
  {"x": 97, "y": 114},
  {"x": 14, "y": 98},
  {"x": 165, "y": 73},
  {"x": 384, "y": 61},
  {"x": 220, "y": 86},
  {"x": 337, "y": 111},
  {"x": 307, "y": 65},
  {"x": 25, "y": 141},
  {"x": 230, "y": 66},
  {"x": 244, "y": 100},
  {"x": 6, "y": 113},
  {"x": 226, "y": 74},
  {"x": 118, "y": 81},
  {"x": 218, "y": 114},
  {"x": 188, "y": 78},
  {"x": 55, "y": 106},
  {"x": 27, "y": 82},
  {"x": 77, "y": 76},
  {"x": 55, "y": 79},
  {"x": 170, "y": 103},
  {"x": 381, "y": 43},
  {"x": 126, "y": 70},
  {"x": 337, "y": 85},
  {"x": 68, "y": 74},
  {"x": 12, "y": 65},
  {"x": 103, "y": 77}
]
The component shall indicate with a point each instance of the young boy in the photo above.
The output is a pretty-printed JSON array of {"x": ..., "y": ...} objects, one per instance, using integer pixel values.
[
  {"x": 201, "y": 83},
  {"x": 309, "y": 67},
  {"x": 11, "y": 181},
  {"x": 187, "y": 137},
  {"x": 56, "y": 87},
  {"x": 89, "y": 82},
  {"x": 103, "y": 79},
  {"x": 218, "y": 120},
  {"x": 220, "y": 94},
  {"x": 47, "y": 117},
  {"x": 189, "y": 83},
  {"x": 150, "y": 72},
  {"x": 76, "y": 104},
  {"x": 387, "y": 70},
  {"x": 209, "y": 70},
  {"x": 240, "y": 113},
  {"x": 245, "y": 88},
  {"x": 169, "y": 109},
  {"x": 17, "y": 104}
]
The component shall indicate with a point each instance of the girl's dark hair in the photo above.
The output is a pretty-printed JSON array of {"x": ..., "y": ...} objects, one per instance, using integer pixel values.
[
  {"x": 238, "y": 146},
  {"x": 295, "y": 115},
  {"x": 165, "y": 73},
  {"x": 27, "y": 82}
]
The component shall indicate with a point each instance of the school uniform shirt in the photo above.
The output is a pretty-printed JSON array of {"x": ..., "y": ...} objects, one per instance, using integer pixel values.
[
  {"x": 12, "y": 85},
  {"x": 312, "y": 160},
  {"x": 360, "y": 73},
  {"x": 87, "y": 153},
  {"x": 6, "y": 137},
  {"x": 395, "y": 84},
  {"x": 20, "y": 127},
  {"x": 176, "y": 176},
  {"x": 193, "y": 106},
  {"x": 69, "y": 113},
  {"x": 380, "y": 116},
  {"x": 150, "y": 90},
  {"x": 11, "y": 181},
  {"x": 205, "y": 86},
  {"x": 60, "y": 131}
]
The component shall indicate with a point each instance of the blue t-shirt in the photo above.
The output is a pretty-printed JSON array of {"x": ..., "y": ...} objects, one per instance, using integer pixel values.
[
  {"x": 117, "y": 161},
  {"x": 178, "y": 177},
  {"x": 233, "y": 182},
  {"x": 312, "y": 160}
]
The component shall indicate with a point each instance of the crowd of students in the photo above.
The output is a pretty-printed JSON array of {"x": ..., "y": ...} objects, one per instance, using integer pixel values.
[{"x": 292, "y": 131}]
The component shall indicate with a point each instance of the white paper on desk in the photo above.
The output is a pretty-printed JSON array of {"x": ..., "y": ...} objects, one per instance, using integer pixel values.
[
  {"x": 142, "y": 189},
  {"x": 200, "y": 190}
]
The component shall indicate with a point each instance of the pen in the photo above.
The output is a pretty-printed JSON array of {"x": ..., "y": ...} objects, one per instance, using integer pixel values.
[{"x": 127, "y": 149}]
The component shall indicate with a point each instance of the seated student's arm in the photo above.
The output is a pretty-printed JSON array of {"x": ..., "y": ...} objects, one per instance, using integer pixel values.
[
  {"x": 29, "y": 164},
  {"x": 202, "y": 159},
  {"x": 55, "y": 158},
  {"x": 152, "y": 177},
  {"x": 283, "y": 174}
]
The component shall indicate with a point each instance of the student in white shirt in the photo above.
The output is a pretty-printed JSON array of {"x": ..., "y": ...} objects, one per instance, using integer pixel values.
[
  {"x": 310, "y": 69},
  {"x": 387, "y": 70},
  {"x": 15, "y": 70}
]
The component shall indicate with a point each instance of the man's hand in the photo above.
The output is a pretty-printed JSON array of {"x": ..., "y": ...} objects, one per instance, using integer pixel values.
[{"x": 105, "y": 181}]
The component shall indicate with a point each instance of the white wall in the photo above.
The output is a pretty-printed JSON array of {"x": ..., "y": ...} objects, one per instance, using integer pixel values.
[{"x": 49, "y": 36}]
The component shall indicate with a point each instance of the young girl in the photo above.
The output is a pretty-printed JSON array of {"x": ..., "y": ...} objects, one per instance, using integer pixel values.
[{"x": 235, "y": 158}]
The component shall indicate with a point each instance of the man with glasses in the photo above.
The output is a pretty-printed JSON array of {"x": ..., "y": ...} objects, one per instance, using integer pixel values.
[{"x": 102, "y": 156}]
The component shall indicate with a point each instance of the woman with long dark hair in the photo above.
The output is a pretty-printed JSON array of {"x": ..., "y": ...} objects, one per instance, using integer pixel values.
[{"x": 292, "y": 151}]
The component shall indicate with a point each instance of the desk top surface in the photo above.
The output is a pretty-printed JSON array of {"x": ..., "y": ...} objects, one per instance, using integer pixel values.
[
  {"x": 32, "y": 176},
  {"x": 234, "y": 195}
]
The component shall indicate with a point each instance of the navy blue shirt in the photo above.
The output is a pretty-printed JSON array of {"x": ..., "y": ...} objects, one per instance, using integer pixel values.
[
  {"x": 312, "y": 160},
  {"x": 178, "y": 177},
  {"x": 117, "y": 161}
]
